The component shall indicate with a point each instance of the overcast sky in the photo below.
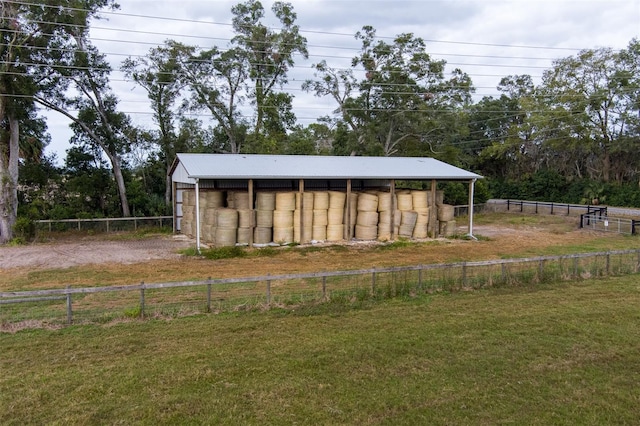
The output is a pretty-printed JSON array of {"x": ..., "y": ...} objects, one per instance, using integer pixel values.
[{"x": 486, "y": 39}]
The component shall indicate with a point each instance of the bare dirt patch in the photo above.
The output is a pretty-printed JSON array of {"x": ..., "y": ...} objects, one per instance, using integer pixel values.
[{"x": 103, "y": 260}]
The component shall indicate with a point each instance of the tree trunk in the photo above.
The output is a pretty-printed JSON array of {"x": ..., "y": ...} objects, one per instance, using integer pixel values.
[
  {"x": 9, "y": 180},
  {"x": 122, "y": 190}
]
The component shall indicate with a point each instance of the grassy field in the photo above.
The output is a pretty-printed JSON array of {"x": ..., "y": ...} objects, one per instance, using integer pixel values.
[{"x": 544, "y": 354}]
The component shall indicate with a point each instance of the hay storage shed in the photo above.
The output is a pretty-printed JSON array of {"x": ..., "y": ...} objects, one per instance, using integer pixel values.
[{"x": 204, "y": 185}]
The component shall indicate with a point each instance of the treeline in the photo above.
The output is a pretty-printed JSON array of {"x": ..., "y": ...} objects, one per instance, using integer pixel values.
[{"x": 574, "y": 137}]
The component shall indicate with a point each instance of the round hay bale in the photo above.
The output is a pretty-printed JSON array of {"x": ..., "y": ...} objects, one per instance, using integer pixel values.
[
  {"x": 227, "y": 218},
  {"x": 241, "y": 201},
  {"x": 337, "y": 199},
  {"x": 307, "y": 219},
  {"x": 262, "y": 235},
  {"x": 226, "y": 236},
  {"x": 307, "y": 197},
  {"x": 282, "y": 219},
  {"x": 187, "y": 198},
  {"x": 266, "y": 201},
  {"x": 367, "y": 202},
  {"x": 321, "y": 200},
  {"x": 367, "y": 218},
  {"x": 409, "y": 218},
  {"x": 298, "y": 238},
  {"x": 244, "y": 235},
  {"x": 448, "y": 228},
  {"x": 210, "y": 217},
  {"x": 286, "y": 201},
  {"x": 246, "y": 218},
  {"x": 209, "y": 234},
  {"x": 384, "y": 232},
  {"x": 335, "y": 232},
  {"x": 214, "y": 199},
  {"x": 405, "y": 201},
  {"x": 439, "y": 198},
  {"x": 335, "y": 216},
  {"x": 406, "y": 231},
  {"x": 319, "y": 232},
  {"x": 420, "y": 200},
  {"x": 385, "y": 201},
  {"x": 445, "y": 212},
  {"x": 264, "y": 218},
  {"x": 385, "y": 217},
  {"x": 366, "y": 232},
  {"x": 283, "y": 235},
  {"x": 421, "y": 230},
  {"x": 320, "y": 218}
]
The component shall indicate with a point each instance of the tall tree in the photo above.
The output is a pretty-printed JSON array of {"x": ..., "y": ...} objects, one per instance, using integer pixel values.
[
  {"x": 268, "y": 54},
  {"x": 31, "y": 35},
  {"x": 158, "y": 74},
  {"x": 79, "y": 89},
  {"x": 403, "y": 95},
  {"x": 594, "y": 109}
]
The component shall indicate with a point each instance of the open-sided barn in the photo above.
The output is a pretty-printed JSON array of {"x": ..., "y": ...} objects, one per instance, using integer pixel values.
[{"x": 226, "y": 199}]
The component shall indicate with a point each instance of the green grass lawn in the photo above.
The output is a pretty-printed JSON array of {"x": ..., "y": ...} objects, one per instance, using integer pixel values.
[{"x": 546, "y": 354}]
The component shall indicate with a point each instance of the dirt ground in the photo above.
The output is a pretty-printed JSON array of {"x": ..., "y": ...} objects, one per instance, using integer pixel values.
[{"x": 109, "y": 260}]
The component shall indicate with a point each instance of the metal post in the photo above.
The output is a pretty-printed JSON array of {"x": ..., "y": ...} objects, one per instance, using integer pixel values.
[
  {"x": 608, "y": 270},
  {"x": 142, "y": 300},
  {"x": 198, "y": 216},
  {"x": 420, "y": 279},
  {"x": 471, "y": 186},
  {"x": 209, "y": 295},
  {"x": 324, "y": 286},
  {"x": 268, "y": 291},
  {"x": 69, "y": 309},
  {"x": 373, "y": 282},
  {"x": 464, "y": 274},
  {"x": 540, "y": 270}
]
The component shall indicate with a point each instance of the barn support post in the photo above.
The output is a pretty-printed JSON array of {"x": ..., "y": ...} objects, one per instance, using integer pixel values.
[
  {"x": 392, "y": 191},
  {"x": 198, "y": 216},
  {"x": 253, "y": 224},
  {"x": 433, "y": 213},
  {"x": 301, "y": 224},
  {"x": 471, "y": 188},
  {"x": 348, "y": 204}
]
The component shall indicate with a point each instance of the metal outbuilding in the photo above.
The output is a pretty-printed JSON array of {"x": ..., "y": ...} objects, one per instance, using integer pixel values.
[{"x": 252, "y": 172}]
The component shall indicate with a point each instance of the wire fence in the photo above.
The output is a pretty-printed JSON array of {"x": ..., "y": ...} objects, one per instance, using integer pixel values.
[
  {"x": 58, "y": 307},
  {"x": 107, "y": 225}
]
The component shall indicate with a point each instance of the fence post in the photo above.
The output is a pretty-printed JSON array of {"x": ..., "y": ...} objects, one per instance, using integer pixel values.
[
  {"x": 373, "y": 282},
  {"x": 540, "y": 270},
  {"x": 551, "y": 208},
  {"x": 464, "y": 274},
  {"x": 69, "y": 308},
  {"x": 209, "y": 295},
  {"x": 575, "y": 267},
  {"x": 536, "y": 207},
  {"x": 268, "y": 290},
  {"x": 142, "y": 299},
  {"x": 508, "y": 204},
  {"x": 608, "y": 264},
  {"x": 107, "y": 225},
  {"x": 420, "y": 278},
  {"x": 135, "y": 224},
  {"x": 324, "y": 287}
]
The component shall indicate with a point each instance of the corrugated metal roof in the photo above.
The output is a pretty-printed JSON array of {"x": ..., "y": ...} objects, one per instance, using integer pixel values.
[{"x": 251, "y": 166}]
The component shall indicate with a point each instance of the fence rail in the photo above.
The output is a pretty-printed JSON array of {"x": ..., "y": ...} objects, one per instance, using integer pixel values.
[
  {"x": 98, "y": 304},
  {"x": 105, "y": 224},
  {"x": 537, "y": 207},
  {"x": 599, "y": 222}
]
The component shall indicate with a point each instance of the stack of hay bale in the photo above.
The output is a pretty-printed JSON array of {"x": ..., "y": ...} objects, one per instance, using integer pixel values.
[
  {"x": 320, "y": 215},
  {"x": 386, "y": 205},
  {"x": 265, "y": 205},
  {"x": 350, "y": 215},
  {"x": 283, "y": 217},
  {"x": 335, "y": 216},
  {"x": 187, "y": 224},
  {"x": 421, "y": 207},
  {"x": 446, "y": 221},
  {"x": 302, "y": 230},
  {"x": 367, "y": 217},
  {"x": 210, "y": 202}
]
